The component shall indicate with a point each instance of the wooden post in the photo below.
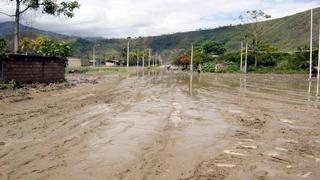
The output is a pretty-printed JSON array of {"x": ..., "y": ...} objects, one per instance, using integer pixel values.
[
  {"x": 246, "y": 59},
  {"x": 160, "y": 60},
  {"x": 311, "y": 29},
  {"x": 318, "y": 75},
  {"x": 94, "y": 56},
  {"x": 149, "y": 58},
  {"x": 137, "y": 58},
  {"x": 317, "y": 93},
  {"x": 241, "y": 54},
  {"x": 143, "y": 58},
  {"x": 191, "y": 63},
  {"x": 128, "y": 52}
]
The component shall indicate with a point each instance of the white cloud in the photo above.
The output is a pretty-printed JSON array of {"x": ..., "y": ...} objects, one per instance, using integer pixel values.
[{"x": 122, "y": 18}]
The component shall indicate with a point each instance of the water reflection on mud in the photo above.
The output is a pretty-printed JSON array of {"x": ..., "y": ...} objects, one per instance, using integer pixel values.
[{"x": 284, "y": 88}]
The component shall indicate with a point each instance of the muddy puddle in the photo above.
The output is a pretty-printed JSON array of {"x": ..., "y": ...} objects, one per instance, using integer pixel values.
[{"x": 165, "y": 125}]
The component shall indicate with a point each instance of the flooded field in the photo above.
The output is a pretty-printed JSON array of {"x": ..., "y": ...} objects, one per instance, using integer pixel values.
[{"x": 164, "y": 125}]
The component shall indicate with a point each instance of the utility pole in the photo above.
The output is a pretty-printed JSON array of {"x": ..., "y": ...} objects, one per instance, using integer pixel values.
[
  {"x": 241, "y": 54},
  {"x": 318, "y": 76},
  {"x": 246, "y": 59},
  {"x": 94, "y": 56},
  {"x": 160, "y": 60},
  {"x": 143, "y": 58},
  {"x": 149, "y": 58},
  {"x": 311, "y": 29},
  {"x": 138, "y": 58},
  {"x": 191, "y": 63},
  {"x": 128, "y": 52}
]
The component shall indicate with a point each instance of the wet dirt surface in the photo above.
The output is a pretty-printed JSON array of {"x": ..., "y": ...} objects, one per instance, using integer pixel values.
[{"x": 164, "y": 125}]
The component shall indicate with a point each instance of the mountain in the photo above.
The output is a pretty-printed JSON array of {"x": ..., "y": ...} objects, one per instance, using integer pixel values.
[
  {"x": 6, "y": 29},
  {"x": 287, "y": 33}
]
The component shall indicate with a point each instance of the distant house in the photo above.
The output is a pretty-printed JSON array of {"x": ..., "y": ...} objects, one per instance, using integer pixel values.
[
  {"x": 77, "y": 62},
  {"x": 112, "y": 63}
]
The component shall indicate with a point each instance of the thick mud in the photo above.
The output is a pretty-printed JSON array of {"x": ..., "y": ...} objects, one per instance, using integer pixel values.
[{"x": 164, "y": 125}]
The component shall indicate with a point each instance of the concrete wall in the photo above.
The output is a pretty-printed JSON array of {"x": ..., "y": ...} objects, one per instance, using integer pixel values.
[
  {"x": 77, "y": 62},
  {"x": 32, "y": 69}
]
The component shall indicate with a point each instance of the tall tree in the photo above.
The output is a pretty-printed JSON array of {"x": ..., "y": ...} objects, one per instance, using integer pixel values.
[
  {"x": 255, "y": 17},
  {"x": 214, "y": 48},
  {"x": 52, "y": 7},
  {"x": 3, "y": 45}
]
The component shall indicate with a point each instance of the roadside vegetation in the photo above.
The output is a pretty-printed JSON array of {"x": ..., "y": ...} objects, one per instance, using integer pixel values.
[
  {"x": 262, "y": 57},
  {"x": 45, "y": 46},
  {"x": 71, "y": 70},
  {"x": 215, "y": 60}
]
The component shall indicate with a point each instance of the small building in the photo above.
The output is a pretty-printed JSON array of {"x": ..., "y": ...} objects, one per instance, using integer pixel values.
[
  {"x": 32, "y": 69},
  {"x": 77, "y": 62},
  {"x": 112, "y": 63}
]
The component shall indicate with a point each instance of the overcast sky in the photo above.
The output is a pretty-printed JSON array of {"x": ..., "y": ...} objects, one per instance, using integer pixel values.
[{"x": 123, "y": 18}]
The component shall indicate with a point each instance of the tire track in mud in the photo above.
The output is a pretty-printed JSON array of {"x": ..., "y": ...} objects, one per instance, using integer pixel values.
[
  {"x": 157, "y": 158},
  {"x": 57, "y": 143},
  {"x": 146, "y": 165},
  {"x": 119, "y": 128},
  {"x": 259, "y": 148}
]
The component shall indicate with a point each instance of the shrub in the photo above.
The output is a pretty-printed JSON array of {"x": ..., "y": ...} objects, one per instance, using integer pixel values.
[
  {"x": 220, "y": 68},
  {"x": 233, "y": 68},
  {"x": 10, "y": 85},
  {"x": 3, "y": 45},
  {"x": 208, "y": 67},
  {"x": 212, "y": 47},
  {"x": 48, "y": 47}
]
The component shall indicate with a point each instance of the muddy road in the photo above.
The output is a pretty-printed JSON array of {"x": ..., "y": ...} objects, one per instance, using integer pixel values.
[{"x": 159, "y": 125}]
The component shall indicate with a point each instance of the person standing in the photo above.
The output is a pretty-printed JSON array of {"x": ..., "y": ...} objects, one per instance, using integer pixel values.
[{"x": 199, "y": 68}]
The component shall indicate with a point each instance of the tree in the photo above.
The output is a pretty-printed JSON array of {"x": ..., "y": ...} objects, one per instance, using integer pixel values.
[
  {"x": 53, "y": 48},
  {"x": 52, "y": 7},
  {"x": 26, "y": 44},
  {"x": 3, "y": 45},
  {"x": 213, "y": 48},
  {"x": 183, "y": 60},
  {"x": 256, "y": 29}
]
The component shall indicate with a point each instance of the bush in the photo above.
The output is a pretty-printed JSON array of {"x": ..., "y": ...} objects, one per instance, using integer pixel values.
[
  {"x": 44, "y": 46},
  {"x": 3, "y": 45},
  {"x": 220, "y": 68},
  {"x": 10, "y": 85},
  {"x": 214, "y": 48},
  {"x": 208, "y": 67},
  {"x": 53, "y": 48},
  {"x": 233, "y": 68}
]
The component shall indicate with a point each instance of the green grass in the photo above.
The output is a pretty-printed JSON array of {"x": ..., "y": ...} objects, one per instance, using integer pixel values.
[
  {"x": 273, "y": 70},
  {"x": 71, "y": 70}
]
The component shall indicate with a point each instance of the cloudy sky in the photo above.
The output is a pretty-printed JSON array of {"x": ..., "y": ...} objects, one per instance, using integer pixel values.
[{"x": 122, "y": 18}]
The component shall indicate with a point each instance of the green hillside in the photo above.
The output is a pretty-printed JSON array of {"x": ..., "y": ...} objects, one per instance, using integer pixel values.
[{"x": 287, "y": 33}]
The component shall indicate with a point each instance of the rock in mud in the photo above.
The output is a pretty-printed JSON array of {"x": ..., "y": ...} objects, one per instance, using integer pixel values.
[
  {"x": 287, "y": 121},
  {"x": 231, "y": 152},
  {"x": 252, "y": 122},
  {"x": 304, "y": 175},
  {"x": 242, "y": 146},
  {"x": 225, "y": 165}
]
